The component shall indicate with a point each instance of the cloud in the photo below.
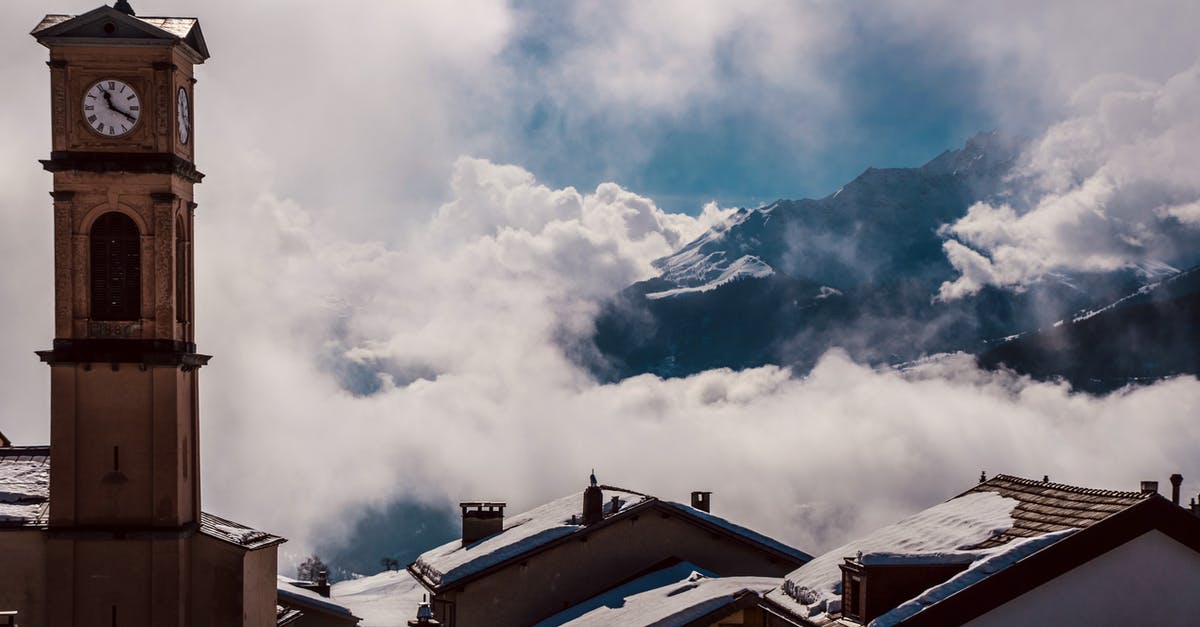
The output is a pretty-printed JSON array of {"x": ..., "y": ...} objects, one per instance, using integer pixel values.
[
  {"x": 464, "y": 327},
  {"x": 1114, "y": 186}
]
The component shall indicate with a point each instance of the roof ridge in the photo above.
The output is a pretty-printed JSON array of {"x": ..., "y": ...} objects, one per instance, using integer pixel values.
[{"x": 1065, "y": 487}]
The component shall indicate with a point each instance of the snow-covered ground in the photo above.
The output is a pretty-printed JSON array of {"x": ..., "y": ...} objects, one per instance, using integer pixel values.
[{"x": 388, "y": 599}]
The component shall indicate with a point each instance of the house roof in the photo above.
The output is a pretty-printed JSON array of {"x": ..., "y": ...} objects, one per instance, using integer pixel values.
[
  {"x": 995, "y": 528},
  {"x": 236, "y": 533},
  {"x": 24, "y": 486},
  {"x": 676, "y": 596},
  {"x": 1043, "y": 507},
  {"x": 452, "y": 565},
  {"x": 25, "y": 500},
  {"x": 289, "y": 594},
  {"x": 93, "y": 27}
]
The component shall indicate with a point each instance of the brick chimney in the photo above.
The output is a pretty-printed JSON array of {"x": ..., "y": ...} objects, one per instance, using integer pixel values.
[
  {"x": 1176, "y": 482},
  {"x": 481, "y": 519},
  {"x": 702, "y": 501},
  {"x": 593, "y": 502},
  {"x": 1149, "y": 487}
]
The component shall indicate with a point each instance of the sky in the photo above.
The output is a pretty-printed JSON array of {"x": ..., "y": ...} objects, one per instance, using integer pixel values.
[{"x": 429, "y": 200}]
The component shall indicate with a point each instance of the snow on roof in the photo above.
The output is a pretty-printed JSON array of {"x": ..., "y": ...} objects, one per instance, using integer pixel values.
[
  {"x": 24, "y": 486},
  {"x": 388, "y": 599},
  {"x": 524, "y": 532},
  {"x": 289, "y": 591},
  {"x": 947, "y": 528},
  {"x": 236, "y": 533},
  {"x": 988, "y": 563},
  {"x": 675, "y": 595},
  {"x": 798, "y": 555}
]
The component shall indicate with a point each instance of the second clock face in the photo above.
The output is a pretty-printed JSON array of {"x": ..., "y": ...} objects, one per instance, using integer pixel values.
[
  {"x": 183, "y": 117},
  {"x": 111, "y": 107}
]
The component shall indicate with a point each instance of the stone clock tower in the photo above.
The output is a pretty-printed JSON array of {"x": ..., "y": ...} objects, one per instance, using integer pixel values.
[{"x": 125, "y": 542}]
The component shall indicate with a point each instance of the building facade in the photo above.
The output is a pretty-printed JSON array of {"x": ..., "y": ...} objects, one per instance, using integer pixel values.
[{"x": 120, "y": 537}]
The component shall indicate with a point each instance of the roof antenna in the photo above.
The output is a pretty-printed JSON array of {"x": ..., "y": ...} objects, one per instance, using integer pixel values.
[
  {"x": 593, "y": 477},
  {"x": 123, "y": 7},
  {"x": 982, "y": 476}
]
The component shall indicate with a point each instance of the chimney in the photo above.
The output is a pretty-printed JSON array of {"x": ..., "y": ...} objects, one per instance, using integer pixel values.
[
  {"x": 702, "y": 501},
  {"x": 322, "y": 587},
  {"x": 616, "y": 505},
  {"x": 1176, "y": 482},
  {"x": 1149, "y": 487},
  {"x": 593, "y": 502},
  {"x": 481, "y": 519},
  {"x": 424, "y": 615}
]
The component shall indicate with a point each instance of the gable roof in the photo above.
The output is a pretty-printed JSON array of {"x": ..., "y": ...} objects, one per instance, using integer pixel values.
[
  {"x": 452, "y": 565},
  {"x": 89, "y": 28},
  {"x": 25, "y": 500},
  {"x": 999, "y": 527},
  {"x": 1043, "y": 507},
  {"x": 1062, "y": 552},
  {"x": 678, "y": 595}
]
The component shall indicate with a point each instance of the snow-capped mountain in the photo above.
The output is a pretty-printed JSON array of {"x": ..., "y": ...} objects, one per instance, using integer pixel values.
[{"x": 858, "y": 270}]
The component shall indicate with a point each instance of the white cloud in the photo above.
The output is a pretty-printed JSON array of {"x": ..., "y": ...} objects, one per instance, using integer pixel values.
[
  {"x": 1114, "y": 186},
  {"x": 497, "y": 410}
]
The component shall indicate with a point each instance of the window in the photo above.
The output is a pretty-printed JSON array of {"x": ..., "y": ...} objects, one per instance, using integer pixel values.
[{"x": 116, "y": 268}]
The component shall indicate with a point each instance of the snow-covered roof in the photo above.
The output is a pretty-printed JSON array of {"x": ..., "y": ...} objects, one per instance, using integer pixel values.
[
  {"x": 25, "y": 500},
  {"x": 676, "y": 595},
  {"x": 988, "y": 527},
  {"x": 24, "y": 486},
  {"x": 538, "y": 528},
  {"x": 945, "y": 528},
  {"x": 290, "y": 593},
  {"x": 387, "y": 599},
  {"x": 522, "y": 533}
]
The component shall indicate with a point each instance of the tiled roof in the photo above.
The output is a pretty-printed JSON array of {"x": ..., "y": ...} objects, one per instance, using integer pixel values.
[
  {"x": 236, "y": 533},
  {"x": 1044, "y": 507},
  {"x": 24, "y": 486}
]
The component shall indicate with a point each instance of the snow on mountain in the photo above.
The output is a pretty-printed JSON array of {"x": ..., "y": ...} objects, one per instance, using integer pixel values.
[
  {"x": 858, "y": 270},
  {"x": 746, "y": 266}
]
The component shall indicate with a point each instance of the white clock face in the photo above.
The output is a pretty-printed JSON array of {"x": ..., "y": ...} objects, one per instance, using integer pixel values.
[
  {"x": 183, "y": 117},
  {"x": 112, "y": 107}
]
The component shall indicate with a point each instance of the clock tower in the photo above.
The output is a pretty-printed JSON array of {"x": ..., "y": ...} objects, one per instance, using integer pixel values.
[{"x": 124, "y": 483}]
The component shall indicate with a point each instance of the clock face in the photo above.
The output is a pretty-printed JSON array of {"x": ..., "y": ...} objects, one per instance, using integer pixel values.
[
  {"x": 183, "y": 116},
  {"x": 111, "y": 107}
]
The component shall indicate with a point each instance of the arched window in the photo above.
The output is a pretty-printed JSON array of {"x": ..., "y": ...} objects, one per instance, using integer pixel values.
[{"x": 116, "y": 268}]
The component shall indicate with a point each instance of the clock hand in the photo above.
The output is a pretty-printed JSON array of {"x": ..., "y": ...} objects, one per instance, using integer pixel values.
[{"x": 108, "y": 99}]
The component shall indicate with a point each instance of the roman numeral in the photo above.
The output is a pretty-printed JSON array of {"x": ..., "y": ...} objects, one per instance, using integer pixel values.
[
  {"x": 112, "y": 131},
  {"x": 89, "y": 108},
  {"x": 92, "y": 119},
  {"x": 124, "y": 128},
  {"x": 100, "y": 127},
  {"x": 135, "y": 108},
  {"x": 131, "y": 96},
  {"x": 122, "y": 90},
  {"x": 112, "y": 85},
  {"x": 92, "y": 96}
]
